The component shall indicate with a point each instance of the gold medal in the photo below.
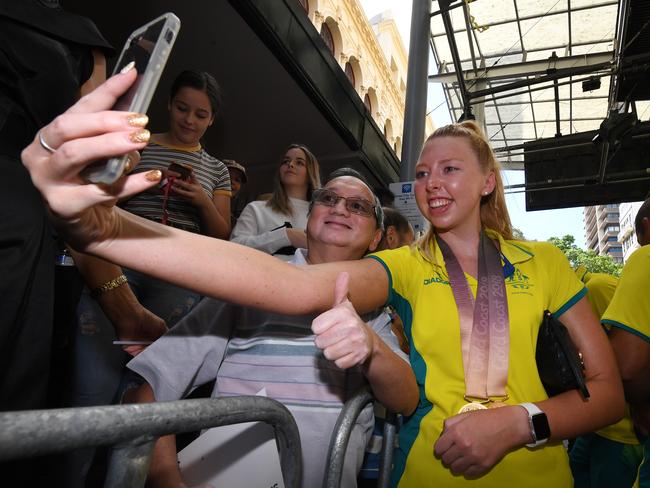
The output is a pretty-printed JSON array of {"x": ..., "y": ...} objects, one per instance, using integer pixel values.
[{"x": 471, "y": 406}]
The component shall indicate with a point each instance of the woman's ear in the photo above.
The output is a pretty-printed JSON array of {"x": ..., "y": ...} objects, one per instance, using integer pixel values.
[{"x": 490, "y": 183}]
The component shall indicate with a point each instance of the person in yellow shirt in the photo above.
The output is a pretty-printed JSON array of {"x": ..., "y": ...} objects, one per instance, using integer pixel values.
[
  {"x": 610, "y": 456},
  {"x": 628, "y": 315},
  {"x": 452, "y": 435}
]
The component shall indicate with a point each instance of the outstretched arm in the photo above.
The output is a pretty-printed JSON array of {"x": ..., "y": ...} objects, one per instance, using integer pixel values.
[{"x": 86, "y": 216}]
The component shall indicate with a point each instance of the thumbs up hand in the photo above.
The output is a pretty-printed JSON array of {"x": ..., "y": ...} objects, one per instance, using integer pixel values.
[{"x": 340, "y": 333}]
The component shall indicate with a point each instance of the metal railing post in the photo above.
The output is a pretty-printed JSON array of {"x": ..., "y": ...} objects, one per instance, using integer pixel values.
[
  {"x": 341, "y": 435},
  {"x": 37, "y": 432},
  {"x": 387, "y": 449}
]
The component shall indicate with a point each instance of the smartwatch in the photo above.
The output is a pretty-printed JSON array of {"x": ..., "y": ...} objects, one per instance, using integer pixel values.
[{"x": 538, "y": 422}]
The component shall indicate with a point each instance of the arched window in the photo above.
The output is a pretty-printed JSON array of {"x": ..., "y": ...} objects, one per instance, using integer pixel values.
[
  {"x": 326, "y": 34},
  {"x": 305, "y": 5},
  {"x": 367, "y": 103},
  {"x": 349, "y": 72},
  {"x": 388, "y": 130}
]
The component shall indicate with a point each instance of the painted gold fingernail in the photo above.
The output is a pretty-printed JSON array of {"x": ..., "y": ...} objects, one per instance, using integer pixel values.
[
  {"x": 153, "y": 175},
  {"x": 141, "y": 135},
  {"x": 137, "y": 120},
  {"x": 128, "y": 166},
  {"x": 127, "y": 68}
]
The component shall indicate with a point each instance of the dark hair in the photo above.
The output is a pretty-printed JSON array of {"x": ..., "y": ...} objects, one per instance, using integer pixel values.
[
  {"x": 396, "y": 219},
  {"x": 643, "y": 213},
  {"x": 199, "y": 80},
  {"x": 338, "y": 173}
]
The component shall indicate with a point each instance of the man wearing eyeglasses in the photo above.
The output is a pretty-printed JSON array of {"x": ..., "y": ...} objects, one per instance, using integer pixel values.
[{"x": 311, "y": 364}]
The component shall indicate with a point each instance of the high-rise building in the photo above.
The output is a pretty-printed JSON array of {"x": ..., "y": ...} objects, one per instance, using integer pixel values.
[
  {"x": 626, "y": 235},
  {"x": 601, "y": 230}
]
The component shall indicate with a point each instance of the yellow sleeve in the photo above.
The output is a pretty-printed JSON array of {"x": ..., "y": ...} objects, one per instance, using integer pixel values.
[
  {"x": 563, "y": 286},
  {"x": 219, "y": 191},
  {"x": 630, "y": 306},
  {"x": 600, "y": 290},
  {"x": 397, "y": 264}
]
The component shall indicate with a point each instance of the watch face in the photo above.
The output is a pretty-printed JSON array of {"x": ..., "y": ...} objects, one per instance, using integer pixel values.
[{"x": 540, "y": 426}]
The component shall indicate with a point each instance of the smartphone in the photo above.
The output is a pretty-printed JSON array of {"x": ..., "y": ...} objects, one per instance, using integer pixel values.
[
  {"x": 184, "y": 171},
  {"x": 149, "y": 47}
]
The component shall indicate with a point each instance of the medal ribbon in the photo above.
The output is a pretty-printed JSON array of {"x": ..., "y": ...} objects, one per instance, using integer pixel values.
[{"x": 484, "y": 324}]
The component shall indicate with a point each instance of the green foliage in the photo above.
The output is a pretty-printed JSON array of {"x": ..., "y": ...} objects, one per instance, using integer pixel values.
[
  {"x": 589, "y": 259},
  {"x": 518, "y": 234}
]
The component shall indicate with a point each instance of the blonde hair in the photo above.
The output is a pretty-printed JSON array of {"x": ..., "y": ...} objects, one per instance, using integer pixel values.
[
  {"x": 279, "y": 200},
  {"x": 494, "y": 213}
]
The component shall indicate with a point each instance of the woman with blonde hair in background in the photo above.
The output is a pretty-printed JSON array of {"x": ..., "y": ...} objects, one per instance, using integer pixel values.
[{"x": 277, "y": 226}]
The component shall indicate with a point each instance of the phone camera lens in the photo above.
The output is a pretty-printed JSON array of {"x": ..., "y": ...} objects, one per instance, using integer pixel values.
[{"x": 169, "y": 35}]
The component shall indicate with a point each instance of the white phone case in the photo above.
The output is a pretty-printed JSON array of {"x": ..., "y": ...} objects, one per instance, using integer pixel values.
[{"x": 109, "y": 171}]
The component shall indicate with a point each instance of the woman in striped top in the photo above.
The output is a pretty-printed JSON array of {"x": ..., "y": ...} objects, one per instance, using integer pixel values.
[{"x": 199, "y": 203}]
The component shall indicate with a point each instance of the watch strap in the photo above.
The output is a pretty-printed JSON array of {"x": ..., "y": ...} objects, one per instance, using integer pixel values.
[{"x": 533, "y": 410}]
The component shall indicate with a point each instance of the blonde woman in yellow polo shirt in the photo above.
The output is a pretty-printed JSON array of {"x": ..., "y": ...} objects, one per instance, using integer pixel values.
[{"x": 450, "y": 436}]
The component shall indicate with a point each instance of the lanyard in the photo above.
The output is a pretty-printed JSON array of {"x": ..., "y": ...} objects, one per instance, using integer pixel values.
[
  {"x": 484, "y": 324},
  {"x": 165, "y": 212}
]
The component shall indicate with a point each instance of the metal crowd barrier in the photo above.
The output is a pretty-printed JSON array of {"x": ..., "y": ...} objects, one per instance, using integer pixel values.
[
  {"x": 132, "y": 430},
  {"x": 341, "y": 436}
]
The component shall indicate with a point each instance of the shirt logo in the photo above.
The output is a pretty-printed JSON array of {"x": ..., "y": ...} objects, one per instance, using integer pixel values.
[
  {"x": 518, "y": 280},
  {"x": 436, "y": 278}
]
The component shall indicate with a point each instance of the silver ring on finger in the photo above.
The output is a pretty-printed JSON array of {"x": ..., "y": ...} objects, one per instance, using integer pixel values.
[{"x": 44, "y": 144}]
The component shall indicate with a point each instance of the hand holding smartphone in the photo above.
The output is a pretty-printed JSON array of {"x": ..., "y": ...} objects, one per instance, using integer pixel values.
[
  {"x": 184, "y": 172},
  {"x": 149, "y": 47}
]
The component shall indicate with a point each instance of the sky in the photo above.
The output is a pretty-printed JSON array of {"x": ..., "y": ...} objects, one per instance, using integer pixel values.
[{"x": 538, "y": 225}]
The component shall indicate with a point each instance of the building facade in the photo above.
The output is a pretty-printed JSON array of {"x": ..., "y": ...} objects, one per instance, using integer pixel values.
[
  {"x": 627, "y": 234},
  {"x": 373, "y": 57},
  {"x": 602, "y": 228}
]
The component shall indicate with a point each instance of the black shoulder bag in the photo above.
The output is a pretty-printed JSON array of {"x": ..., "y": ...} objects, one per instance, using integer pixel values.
[{"x": 559, "y": 363}]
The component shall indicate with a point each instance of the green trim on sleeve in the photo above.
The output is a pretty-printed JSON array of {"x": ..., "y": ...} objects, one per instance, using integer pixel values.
[
  {"x": 626, "y": 328},
  {"x": 571, "y": 302},
  {"x": 388, "y": 273}
]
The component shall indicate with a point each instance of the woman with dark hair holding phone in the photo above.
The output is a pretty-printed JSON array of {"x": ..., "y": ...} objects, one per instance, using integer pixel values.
[
  {"x": 277, "y": 226},
  {"x": 195, "y": 198},
  {"x": 196, "y": 195},
  {"x": 483, "y": 413}
]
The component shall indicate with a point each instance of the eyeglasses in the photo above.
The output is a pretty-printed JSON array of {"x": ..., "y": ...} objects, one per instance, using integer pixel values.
[{"x": 353, "y": 205}]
